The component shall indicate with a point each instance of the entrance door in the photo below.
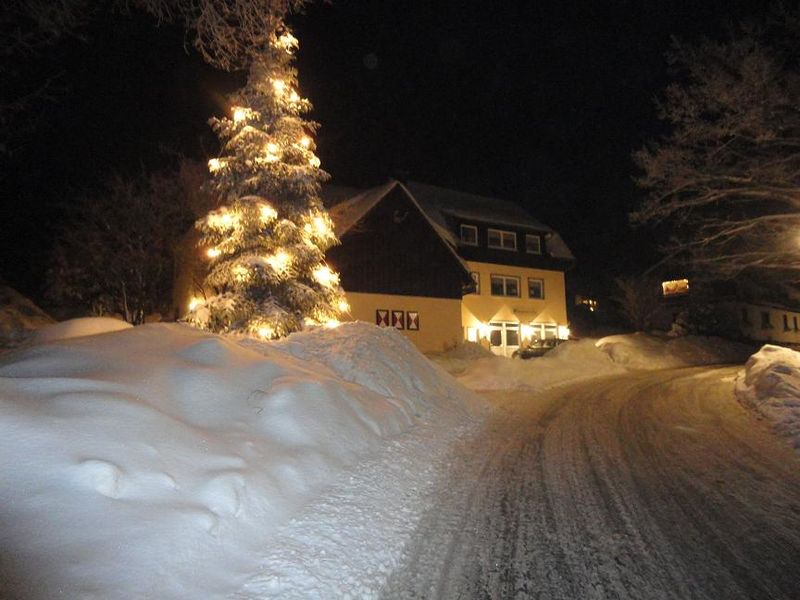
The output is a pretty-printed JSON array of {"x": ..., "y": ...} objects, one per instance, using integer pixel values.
[{"x": 503, "y": 337}]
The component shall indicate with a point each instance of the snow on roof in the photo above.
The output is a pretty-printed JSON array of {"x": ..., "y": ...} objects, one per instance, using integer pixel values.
[{"x": 437, "y": 203}]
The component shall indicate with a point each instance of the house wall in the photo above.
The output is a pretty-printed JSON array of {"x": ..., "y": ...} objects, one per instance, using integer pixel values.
[
  {"x": 477, "y": 309},
  {"x": 439, "y": 318},
  {"x": 752, "y": 324}
]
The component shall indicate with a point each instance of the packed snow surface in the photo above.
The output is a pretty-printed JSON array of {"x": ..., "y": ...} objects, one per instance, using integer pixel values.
[
  {"x": 770, "y": 384},
  {"x": 160, "y": 461}
]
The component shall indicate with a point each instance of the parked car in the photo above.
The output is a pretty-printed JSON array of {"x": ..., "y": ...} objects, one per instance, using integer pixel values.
[{"x": 536, "y": 348}]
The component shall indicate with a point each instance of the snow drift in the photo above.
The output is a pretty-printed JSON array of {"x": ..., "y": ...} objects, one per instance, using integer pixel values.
[
  {"x": 648, "y": 351},
  {"x": 770, "y": 384},
  {"x": 479, "y": 369},
  {"x": 158, "y": 461}
]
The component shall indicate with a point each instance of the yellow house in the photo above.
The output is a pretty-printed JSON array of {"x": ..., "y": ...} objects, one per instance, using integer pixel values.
[{"x": 444, "y": 266}]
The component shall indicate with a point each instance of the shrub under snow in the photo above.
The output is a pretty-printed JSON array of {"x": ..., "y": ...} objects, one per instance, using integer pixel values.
[{"x": 770, "y": 384}]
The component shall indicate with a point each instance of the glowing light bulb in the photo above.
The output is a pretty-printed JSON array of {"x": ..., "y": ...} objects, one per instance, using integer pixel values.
[
  {"x": 332, "y": 324},
  {"x": 279, "y": 85},
  {"x": 314, "y": 162},
  {"x": 214, "y": 165},
  {"x": 294, "y": 97},
  {"x": 320, "y": 225},
  {"x": 288, "y": 42},
  {"x": 273, "y": 152},
  {"x": 265, "y": 332},
  {"x": 239, "y": 114},
  {"x": 213, "y": 252},
  {"x": 343, "y": 306},
  {"x": 268, "y": 213},
  {"x": 325, "y": 276},
  {"x": 305, "y": 141},
  {"x": 194, "y": 303},
  {"x": 279, "y": 261}
]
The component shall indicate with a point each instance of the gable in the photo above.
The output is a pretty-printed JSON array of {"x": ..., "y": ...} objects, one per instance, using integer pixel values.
[{"x": 392, "y": 248}]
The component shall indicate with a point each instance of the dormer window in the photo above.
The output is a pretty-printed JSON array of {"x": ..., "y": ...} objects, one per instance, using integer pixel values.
[
  {"x": 533, "y": 244},
  {"x": 502, "y": 240},
  {"x": 469, "y": 235}
]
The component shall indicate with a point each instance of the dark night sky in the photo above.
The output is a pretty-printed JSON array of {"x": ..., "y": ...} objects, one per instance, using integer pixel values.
[{"x": 537, "y": 102}]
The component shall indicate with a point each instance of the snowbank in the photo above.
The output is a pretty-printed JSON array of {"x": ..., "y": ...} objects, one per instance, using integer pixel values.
[
  {"x": 646, "y": 351},
  {"x": 770, "y": 384},
  {"x": 80, "y": 327},
  {"x": 19, "y": 318},
  {"x": 158, "y": 461},
  {"x": 571, "y": 361}
]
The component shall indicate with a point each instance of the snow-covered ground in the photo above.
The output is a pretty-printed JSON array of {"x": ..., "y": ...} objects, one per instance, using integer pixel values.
[
  {"x": 161, "y": 461},
  {"x": 770, "y": 384}
]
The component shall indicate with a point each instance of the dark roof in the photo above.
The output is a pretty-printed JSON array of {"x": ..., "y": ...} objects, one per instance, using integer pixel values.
[{"x": 435, "y": 203}]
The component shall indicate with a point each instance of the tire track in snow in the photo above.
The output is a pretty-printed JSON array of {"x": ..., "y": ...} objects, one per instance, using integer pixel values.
[{"x": 649, "y": 485}]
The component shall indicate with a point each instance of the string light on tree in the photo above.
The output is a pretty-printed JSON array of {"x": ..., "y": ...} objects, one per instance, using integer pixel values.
[{"x": 267, "y": 276}]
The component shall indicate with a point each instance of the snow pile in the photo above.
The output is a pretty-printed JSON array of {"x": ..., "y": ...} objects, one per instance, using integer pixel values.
[
  {"x": 647, "y": 351},
  {"x": 80, "y": 327},
  {"x": 770, "y": 384},
  {"x": 159, "y": 461},
  {"x": 571, "y": 361},
  {"x": 19, "y": 318}
]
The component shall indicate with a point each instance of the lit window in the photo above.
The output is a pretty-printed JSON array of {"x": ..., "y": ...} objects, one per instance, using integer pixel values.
[
  {"x": 502, "y": 240},
  {"x": 469, "y": 235},
  {"x": 476, "y": 277},
  {"x": 676, "y": 287},
  {"x": 533, "y": 244},
  {"x": 536, "y": 289},
  {"x": 505, "y": 286}
]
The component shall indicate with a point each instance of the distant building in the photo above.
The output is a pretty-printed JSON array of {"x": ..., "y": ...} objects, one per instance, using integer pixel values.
[{"x": 444, "y": 266}]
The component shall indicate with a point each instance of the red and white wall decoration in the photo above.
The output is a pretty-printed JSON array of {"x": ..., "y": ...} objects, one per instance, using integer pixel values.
[{"x": 398, "y": 319}]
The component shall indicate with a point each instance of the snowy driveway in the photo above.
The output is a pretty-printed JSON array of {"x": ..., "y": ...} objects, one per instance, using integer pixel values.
[{"x": 653, "y": 485}]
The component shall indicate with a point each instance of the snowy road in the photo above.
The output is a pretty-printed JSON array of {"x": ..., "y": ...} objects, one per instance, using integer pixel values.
[{"x": 654, "y": 485}]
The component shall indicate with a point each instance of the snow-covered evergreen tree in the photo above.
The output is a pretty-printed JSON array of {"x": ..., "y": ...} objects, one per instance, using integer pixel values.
[{"x": 266, "y": 242}]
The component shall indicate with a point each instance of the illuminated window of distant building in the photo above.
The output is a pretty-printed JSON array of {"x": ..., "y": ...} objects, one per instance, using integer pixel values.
[
  {"x": 469, "y": 235},
  {"x": 589, "y": 303},
  {"x": 766, "y": 323},
  {"x": 476, "y": 277},
  {"x": 676, "y": 287},
  {"x": 533, "y": 244},
  {"x": 503, "y": 285},
  {"x": 502, "y": 240},
  {"x": 536, "y": 289}
]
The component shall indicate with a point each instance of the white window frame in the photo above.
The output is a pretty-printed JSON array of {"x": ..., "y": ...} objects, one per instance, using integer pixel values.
[
  {"x": 505, "y": 279},
  {"x": 541, "y": 284},
  {"x": 528, "y": 238},
  {"x": 503, "y": 236},
  {"x": 472, "y": 228}
]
